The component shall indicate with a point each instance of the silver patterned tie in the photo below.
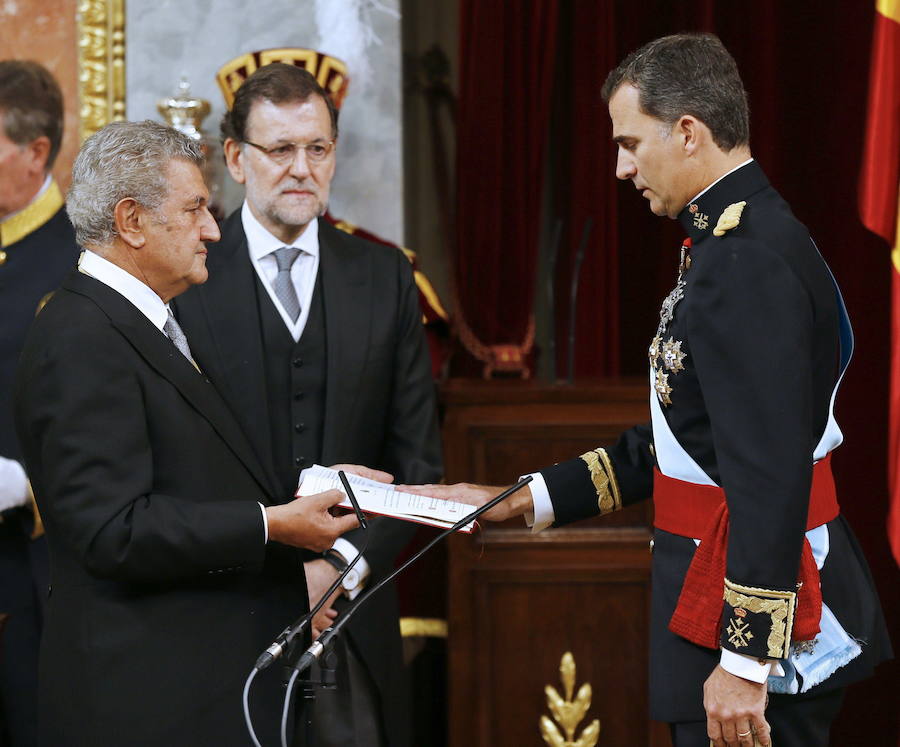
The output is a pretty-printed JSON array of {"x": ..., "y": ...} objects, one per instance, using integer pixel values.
[
  {"x": 176, "y": 335},
  {"x": 283, "y": 285}
]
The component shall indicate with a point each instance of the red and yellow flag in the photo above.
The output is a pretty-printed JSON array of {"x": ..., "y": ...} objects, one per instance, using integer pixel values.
[{"x": 879, "y": 196}]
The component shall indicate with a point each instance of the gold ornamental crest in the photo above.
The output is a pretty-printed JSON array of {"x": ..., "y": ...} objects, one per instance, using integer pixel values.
[
  {"x": 330, "y": 72},
  {"x": 568, "y": 712}
]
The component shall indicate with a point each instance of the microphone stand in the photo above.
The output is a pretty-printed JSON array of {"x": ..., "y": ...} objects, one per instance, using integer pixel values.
[
  {"x": 324, "y": 641},
  {"x": 287, "y": 636},
  {"x": 573, "y": 296}
]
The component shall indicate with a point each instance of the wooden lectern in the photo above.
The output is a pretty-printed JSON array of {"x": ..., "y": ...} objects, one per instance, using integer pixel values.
[{"x": 518, "y": 602}]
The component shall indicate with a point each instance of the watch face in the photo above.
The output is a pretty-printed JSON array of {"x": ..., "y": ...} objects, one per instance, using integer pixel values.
[{"x": 351, "y": 580}]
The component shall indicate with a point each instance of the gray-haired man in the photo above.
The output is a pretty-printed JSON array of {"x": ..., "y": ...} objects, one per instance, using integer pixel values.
[{"x": 171, "y": 567}]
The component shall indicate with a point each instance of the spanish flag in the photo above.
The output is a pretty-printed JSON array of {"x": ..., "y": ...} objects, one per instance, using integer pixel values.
[{"x": 879, "y": 194}]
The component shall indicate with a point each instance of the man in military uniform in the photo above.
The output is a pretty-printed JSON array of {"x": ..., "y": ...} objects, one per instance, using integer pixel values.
[
  {"x": 750, "y": 348},
  {"x": 37, "y": 249}
]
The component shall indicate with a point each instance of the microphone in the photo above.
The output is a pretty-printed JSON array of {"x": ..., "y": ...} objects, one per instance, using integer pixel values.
[
  {"x": 286, "y": 637},
  {"x": 324, "y": 640}
]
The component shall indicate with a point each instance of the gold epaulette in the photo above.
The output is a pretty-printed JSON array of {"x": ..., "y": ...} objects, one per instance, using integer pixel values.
[{"x": 730, "y": 218}]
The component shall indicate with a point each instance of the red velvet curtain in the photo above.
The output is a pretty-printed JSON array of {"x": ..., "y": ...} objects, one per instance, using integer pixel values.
[
  {"x": 585, "y": 180},
  {"x": 506, "y": 71}
]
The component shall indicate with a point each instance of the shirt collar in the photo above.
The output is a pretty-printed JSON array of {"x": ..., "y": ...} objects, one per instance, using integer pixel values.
[
  {"x": 142, "y": 296},
  {"x": 260, "y": 242}
]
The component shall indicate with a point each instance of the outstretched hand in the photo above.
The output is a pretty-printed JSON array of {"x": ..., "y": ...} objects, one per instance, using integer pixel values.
[{"x": 477, "y": 495}]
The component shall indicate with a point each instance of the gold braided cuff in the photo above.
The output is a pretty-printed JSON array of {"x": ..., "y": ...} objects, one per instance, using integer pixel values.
[
  {"x": 603, "y": 476},
  {"x": 753, "y": 615}
]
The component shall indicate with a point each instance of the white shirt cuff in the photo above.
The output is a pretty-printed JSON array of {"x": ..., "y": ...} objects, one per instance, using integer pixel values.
[
  {"x": 749, "y": 667},
  {"x": 265, "y": 522},
  {"x": 543, "y": 515},
  {"x": 13, "y": 484},
  {"x": 346, "y": 549}
]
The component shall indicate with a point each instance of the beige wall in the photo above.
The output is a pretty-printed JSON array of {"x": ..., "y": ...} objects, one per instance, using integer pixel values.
[{"x": 45, "y": 31}]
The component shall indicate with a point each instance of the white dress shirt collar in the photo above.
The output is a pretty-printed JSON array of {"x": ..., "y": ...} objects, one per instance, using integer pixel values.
[
  {"x": 261, "y": 242},
  {"x": 139, "y": 294}
]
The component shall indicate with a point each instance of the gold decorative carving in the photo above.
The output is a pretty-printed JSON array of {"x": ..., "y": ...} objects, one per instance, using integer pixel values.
[
  {"x": 101, "y": 63},
  {"x": 569, "y": 712}
]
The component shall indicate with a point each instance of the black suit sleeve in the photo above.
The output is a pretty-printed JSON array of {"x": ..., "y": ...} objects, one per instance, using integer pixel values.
[
  {"x": 412, "y": 448},
  {"x": 751, "y": 327},
  {"x": 87, "y": 432}
]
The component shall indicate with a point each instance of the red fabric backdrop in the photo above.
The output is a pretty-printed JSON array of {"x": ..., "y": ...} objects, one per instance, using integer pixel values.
[
  {"x": 805, "y": 65},
  {"x": 506, "y": 69}
]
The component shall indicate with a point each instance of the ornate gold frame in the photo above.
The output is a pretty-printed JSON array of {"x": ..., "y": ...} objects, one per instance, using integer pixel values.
[{"x": 101, "y": 63}]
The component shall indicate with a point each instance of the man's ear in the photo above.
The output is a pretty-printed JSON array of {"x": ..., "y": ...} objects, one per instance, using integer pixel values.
[
  {"x": 692, "y": 133},
  {"x": 128, "y": 217},
  {"x": 38, "y": 152},
  {"x": 234, "y": 159}
]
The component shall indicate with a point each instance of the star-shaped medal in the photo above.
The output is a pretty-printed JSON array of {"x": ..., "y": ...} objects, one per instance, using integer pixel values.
[
  {"x": 661, "y": 385},
  {"x": 673, "y": 356},
  {"x": 653, "y": 352}
]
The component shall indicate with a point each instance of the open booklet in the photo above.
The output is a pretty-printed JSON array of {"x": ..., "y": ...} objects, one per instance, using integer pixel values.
[{"x": 384, "y": 499}]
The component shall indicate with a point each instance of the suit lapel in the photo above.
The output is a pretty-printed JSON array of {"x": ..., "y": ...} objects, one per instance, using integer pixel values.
[
  {"x": 348, "y": 298},
  {"x": 229, "y": 346},
  {"x": 161, "y": 355}
]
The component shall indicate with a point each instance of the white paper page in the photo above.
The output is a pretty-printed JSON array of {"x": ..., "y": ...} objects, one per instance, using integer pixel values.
[{"x": 383, "y": 498}]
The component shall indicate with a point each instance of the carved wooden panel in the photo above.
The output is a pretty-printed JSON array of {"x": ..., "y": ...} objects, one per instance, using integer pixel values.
[{"x": 519, "y": 601}]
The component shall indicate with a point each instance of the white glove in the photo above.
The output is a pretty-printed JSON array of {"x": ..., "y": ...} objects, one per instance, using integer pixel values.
[{"x": 13, "y": 484}]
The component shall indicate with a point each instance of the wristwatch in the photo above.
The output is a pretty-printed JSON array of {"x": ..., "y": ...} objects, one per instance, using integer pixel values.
[{"x": 352, "y": 581}]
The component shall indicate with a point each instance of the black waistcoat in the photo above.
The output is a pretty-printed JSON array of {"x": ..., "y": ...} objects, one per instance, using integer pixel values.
[{"x": 295, "y": 387}]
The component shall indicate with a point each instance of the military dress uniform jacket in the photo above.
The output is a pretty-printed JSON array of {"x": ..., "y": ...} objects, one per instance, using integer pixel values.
[
  {"x": 379, "y": 401},
  {"x": 164, "y": 591},
  {"x": 742, "y": 375},
  {"x": 37, "y": 250}
]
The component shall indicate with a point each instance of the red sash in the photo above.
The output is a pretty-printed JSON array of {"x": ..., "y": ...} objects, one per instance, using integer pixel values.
[{"x": 700, "y": 512}]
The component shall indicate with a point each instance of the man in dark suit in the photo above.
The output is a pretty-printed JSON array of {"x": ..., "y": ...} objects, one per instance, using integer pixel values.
[
  {"x": 758, "y": 584},
  {"x": 37, "y": 249},
  {"x": 173, "y": 563},
  {"x": 315, "y": 339}
]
